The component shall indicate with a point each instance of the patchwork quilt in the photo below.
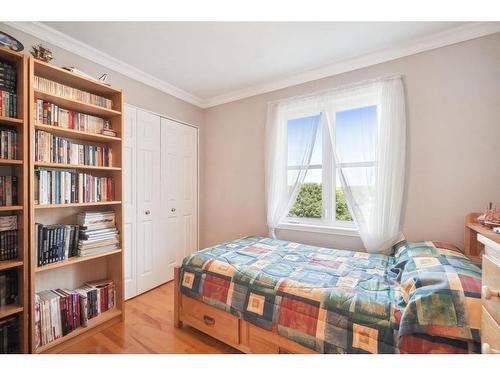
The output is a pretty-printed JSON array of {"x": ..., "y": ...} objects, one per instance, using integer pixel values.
[{"x": 424, "y": 299}]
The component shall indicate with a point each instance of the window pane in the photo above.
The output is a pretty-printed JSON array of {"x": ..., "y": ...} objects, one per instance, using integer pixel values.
[
  {"x": 298, "y": 132},
  {"x": 341, "y": 209},
  {"x": 356, "y": 134},
  {"x": 309, "y": 202},
  {"x": 362, "y": 181}
]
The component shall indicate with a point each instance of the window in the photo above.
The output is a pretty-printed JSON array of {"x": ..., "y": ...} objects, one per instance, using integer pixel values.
[{"x": 321, "y": 200}]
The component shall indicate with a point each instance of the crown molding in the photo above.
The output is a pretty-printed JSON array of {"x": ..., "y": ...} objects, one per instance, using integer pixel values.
[
  {"x": 59, "y": 39},
  {"x": 445, "y": 38},
  {"x": 455, "y": 35}
]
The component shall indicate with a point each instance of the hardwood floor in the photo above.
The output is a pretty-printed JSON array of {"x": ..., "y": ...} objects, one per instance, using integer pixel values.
[{"x": 149, "y": 328}]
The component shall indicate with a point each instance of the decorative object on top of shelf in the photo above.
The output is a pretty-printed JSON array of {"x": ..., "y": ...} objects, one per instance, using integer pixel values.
[
  {"x": 74, "y": 70},
  {"x": 41, "y": 53},
  {"x": 10, "y": 42},
  {"x": 104, "y": 79},
  {"x": 491, "y": 217}
]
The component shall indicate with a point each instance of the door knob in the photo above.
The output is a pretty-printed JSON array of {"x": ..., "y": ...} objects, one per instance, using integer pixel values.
[
  {"x": 147, "y": 212},
  {"x": 172, "y": 209}
]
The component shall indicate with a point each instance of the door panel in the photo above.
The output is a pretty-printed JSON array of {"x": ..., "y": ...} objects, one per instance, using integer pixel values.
[
  {"x": 148, "y": 200},
  {"x": 181, "y": 182},
  {"x": 129, "y": 201}
]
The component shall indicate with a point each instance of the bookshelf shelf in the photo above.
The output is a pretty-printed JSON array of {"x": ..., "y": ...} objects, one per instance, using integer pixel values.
[
  {"x": 11, "y": 120},
  {"x": 76, "y": 166},
  {"x": 10, "y": 162},
  {"x": 8, "y": 264},
  {"x": 85, "y": 204},
  {"x": 9, "y": 310},
  {"x": 72, "y": 133},
  {"x": 94, "y": 323},
  {"x": 21, "y": 210},
  {"x": 76, "y": 105},
  {"x": 75, "y": 260},
  {"x": 11, "y": 208},
  {"x": 73, "y": 272}
]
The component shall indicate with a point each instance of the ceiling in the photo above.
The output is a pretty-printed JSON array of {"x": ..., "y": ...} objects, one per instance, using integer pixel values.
[{"x": 214, "y": 62}]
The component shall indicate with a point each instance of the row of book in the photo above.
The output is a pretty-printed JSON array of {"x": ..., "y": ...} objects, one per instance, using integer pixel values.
[
  {"x": 50, "y": 114},
  {"x": 8, "y": 88},
  {"x": 98, "y": 233},
  {"x": 50, "y": 148},
  {"x": 56, "y": 88},
  {"x": 59, "y": 186},
  {"x": 55, "y": 243},
  {"x": 8, "y": 144},
  {"x": 8, "y": 245},
  {"x": 60, "y": 311},
  {"x": 8, "y": 104},
  {"x": 8, "y": 190},
  {"x": 8, "y": 238},
  {"x": 8, "y": 77},
  {"x": 8, "y": 287},
  {"x": 9, "y": 335}
]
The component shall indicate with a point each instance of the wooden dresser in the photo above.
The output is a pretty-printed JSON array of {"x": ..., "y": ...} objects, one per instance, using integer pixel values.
[{"x": 490, "y": 320}]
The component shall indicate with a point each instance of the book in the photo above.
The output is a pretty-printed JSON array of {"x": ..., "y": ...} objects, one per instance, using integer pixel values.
[
  {"x": 59, "y": 311},
  {"x": 64, "y": 91},
  {"x": 53, "y": 149},
  {"x": 8, "y": 287},
  {"x": 8, "y": 87},
  {"x": 8, "y": 222},
  {"x": 8, "y": 190},
  {"x": 98, "y": 233},
  {"x": 9, "y": 244},
  {"x": 48, "y": 113},
  {"x": 55, "y": 243},
  {"x": 9, "y": 335},
  {"x": 59, "y": 186},
  {"x": 8, "y": 144}
]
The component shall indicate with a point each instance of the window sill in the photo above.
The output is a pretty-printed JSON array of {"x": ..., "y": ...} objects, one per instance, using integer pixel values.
[{"x": 339, "y": 231}]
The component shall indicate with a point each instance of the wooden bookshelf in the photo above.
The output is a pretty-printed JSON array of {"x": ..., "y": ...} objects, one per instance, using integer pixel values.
[
  {"x": 19, "y": 168},
  {"x": 71, "y": 272}
]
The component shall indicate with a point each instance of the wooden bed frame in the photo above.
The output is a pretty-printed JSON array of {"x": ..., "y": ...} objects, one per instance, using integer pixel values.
[{"x": 229, "y": 329}]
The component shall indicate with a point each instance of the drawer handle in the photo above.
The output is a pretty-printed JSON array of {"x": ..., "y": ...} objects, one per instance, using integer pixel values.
[
  {"x": 209, "y": 321},
  {"x": 486, "y": 349},
  {"x": 488, "y": 293}
]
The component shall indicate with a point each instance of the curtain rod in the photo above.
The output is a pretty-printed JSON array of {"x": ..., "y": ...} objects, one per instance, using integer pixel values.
[{"x": 338, "y": 88}]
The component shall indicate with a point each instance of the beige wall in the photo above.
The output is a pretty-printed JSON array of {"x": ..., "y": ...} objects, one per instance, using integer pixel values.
[{"x": 453, "y": 101}]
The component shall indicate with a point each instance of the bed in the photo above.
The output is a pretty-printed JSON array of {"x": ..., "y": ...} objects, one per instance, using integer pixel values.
[{"x": 262, "y": 295}]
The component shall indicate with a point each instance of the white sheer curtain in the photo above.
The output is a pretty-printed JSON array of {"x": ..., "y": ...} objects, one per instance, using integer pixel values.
[
  {"x": 282, "y": 185},
  {"x": 374, "y": 191}
]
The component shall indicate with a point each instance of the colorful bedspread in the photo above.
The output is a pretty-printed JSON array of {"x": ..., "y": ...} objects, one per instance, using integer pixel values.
[{"x": 424, "y": 299}]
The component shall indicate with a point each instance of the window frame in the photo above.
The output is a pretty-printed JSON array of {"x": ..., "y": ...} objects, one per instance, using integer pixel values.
[{"x": 328, "y": 223}]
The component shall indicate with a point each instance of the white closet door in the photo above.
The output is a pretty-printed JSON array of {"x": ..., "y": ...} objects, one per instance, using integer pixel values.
[
  {"x": 149, "y": 253},
  {"x": 129, "y": 236},
  {"x": 180, "y": 203}
]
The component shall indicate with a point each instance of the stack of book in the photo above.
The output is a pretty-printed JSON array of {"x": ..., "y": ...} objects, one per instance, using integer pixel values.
[
  {"x": 8, "y": 190},
  {"x": 61, "y": 311},
  {"x": 9, "y": 335},
  {"x": 98, "y": 233},
  {"x": 53, "y": 149},
  {"x": 55, "y": 243},
  {"x": 8, "y": 238},
  {"x": 56, "y": 88},
  {"x": 8, "y": 144},
  {"x": 50, "y": 114},
  {"x": 8, "y": 287},
  {"x": 109, "y": 132},
  {"x": 8, "y": 86},
  {"x": 58, "y": 186}
]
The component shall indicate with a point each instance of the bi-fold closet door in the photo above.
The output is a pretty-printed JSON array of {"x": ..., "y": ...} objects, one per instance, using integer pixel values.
[{"x": 161, "y": 198}]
